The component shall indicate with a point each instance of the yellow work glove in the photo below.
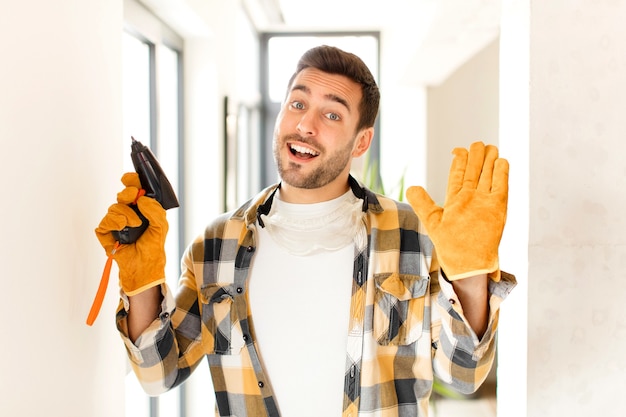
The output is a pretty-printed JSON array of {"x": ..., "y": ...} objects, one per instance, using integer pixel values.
[
  {"x": 142, "y": 263},
  {"x": 467, "y": 230}
]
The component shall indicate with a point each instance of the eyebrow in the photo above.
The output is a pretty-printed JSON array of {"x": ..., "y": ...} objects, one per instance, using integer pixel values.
[{"x": 332, "y": 97}]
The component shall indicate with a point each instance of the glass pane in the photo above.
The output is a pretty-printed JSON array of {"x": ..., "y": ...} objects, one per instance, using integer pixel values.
[
  {"x": 136, "y": 123},
  {"x": 137, "y": 402},
  {"x": 169, "y": 403},
  {"x": 136, "y": 94},
  {"x": 284, "y": 52},
  {"x": 136, "y": 119},
  {"x": 167, "y": 70}
]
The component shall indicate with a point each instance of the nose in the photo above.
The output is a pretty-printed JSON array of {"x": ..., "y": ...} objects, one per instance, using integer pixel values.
[{"x": 306, "y": 125}]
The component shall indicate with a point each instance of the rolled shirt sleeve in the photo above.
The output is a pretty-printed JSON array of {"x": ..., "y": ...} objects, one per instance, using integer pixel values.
[{"x": 462, "y": 360}]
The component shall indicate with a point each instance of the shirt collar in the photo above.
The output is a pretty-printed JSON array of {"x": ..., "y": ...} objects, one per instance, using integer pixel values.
[{"x": 263, "y": 202}]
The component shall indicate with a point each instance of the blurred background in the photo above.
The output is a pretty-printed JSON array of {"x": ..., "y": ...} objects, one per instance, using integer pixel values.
[{"x": 201, "y": 82}]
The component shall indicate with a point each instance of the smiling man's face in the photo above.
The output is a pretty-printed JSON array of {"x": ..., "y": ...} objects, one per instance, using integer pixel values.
[{"x": 315, "y": 137}]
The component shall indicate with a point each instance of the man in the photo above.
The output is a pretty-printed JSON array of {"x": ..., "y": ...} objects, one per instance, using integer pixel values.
[{"x": 318, "y": 297}]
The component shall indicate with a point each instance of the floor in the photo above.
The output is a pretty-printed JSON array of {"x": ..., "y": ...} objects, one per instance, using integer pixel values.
[{"x": 482, "y": 404}]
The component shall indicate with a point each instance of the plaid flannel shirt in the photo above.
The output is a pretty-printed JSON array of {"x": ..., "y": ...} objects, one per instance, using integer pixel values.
[{"x": 406, "y": 323}]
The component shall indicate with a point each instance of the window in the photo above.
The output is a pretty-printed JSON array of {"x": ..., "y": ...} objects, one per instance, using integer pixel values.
[{"x": 152, "y": 114}]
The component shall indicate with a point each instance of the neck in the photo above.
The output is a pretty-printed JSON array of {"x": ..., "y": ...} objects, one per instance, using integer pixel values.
[{"x": 295, "y": 195}]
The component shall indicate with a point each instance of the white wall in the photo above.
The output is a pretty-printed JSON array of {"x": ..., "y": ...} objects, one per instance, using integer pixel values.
[
  {"x": 60, "y": 136},
  {"x": 461, "y": 110},
  {"x": 569, "y": 107},
  {"x": 60, "y": 164}
]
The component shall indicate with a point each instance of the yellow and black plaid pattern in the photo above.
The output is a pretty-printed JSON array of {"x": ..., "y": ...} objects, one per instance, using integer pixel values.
[{"x": 403, "y": 326}]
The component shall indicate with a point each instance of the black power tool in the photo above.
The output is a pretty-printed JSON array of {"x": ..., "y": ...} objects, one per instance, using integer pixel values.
[{"x": 155, "y": 184}]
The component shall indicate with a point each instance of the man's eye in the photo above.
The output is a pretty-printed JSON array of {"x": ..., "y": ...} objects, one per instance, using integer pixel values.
[
  {"x": 333, "y": 116},
  {"x": 297, "y": 105}
]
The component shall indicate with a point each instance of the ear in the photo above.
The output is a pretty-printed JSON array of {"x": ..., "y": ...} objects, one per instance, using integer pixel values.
[{"x": 363, "y": 141}]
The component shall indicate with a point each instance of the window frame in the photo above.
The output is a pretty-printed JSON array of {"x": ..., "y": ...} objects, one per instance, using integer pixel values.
[{"x": 142, "y": 24}]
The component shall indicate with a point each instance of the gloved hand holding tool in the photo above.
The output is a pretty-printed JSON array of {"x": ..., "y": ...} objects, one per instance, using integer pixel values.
[
  {"x": 467, "y": 230},
  {"x": 134, "y": 229}
]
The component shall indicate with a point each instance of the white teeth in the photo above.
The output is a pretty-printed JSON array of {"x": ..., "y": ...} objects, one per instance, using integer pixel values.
[{"x": 302, "y": 149}]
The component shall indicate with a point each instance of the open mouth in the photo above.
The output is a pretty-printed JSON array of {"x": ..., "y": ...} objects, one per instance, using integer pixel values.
[{"x": 302, "y": 152}]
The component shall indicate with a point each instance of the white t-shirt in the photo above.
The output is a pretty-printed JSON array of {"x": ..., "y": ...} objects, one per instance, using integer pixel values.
[{"x": 300, "y": 304}]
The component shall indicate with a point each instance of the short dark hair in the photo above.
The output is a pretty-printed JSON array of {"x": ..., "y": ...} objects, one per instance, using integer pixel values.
[{"x": 336, "y": 61}]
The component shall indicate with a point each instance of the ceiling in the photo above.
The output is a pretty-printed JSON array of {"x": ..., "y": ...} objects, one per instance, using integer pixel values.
[{"x": 435, "y": 36}]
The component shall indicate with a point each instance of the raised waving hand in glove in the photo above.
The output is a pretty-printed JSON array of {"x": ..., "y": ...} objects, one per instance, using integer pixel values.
[
  {"x": 142, "y": 263},
  {"x": 467, "y": 230}
]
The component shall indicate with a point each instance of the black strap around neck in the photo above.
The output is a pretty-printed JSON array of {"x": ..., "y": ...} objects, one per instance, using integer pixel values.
[{"x": 264, "y": 209}]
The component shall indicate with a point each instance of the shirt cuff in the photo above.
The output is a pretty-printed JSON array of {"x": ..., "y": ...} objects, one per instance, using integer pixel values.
[
  {"x": 148, "y": 337},
  {"x": 498, "y": 291}
]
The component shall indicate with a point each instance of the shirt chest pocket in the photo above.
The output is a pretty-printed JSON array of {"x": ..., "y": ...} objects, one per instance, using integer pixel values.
[
  {"x": 221, "y": 328},
  {"x": 399, "y": 304}
]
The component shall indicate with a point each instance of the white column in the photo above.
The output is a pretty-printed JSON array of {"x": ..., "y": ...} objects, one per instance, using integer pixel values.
[
  {"x": 514, "y": 144},
  {"x": 563, "y": 95}
]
